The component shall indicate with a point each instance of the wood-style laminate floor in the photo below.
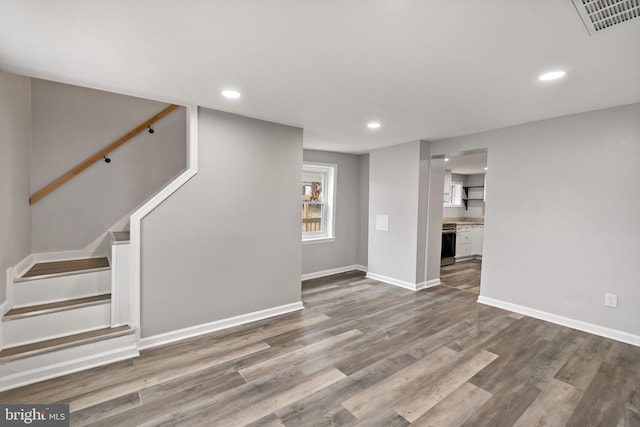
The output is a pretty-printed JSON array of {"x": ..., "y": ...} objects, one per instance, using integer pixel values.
[
  {"x": 365, "y": 353},
  {"x": 463, "y": 275}
]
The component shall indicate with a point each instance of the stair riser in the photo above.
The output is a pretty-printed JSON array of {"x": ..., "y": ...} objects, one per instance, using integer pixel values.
[
  {"x": 61, "y": 362},
  {"x": 52, "y": 325},
  {"x": 61, "y": 288}
]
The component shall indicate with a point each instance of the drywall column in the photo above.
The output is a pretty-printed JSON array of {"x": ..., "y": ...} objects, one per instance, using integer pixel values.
[
  {"x": 363, "y": 211},
  {"x": 561, "y": 224},
  {"x": 394, "y": 177},
  {"x": 432, "y": 190},
  {"x": 15, "y": 148},
  {"x": 227, "y": 243}
]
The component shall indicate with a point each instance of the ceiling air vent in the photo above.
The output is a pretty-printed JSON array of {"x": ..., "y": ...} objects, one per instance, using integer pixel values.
[{"x": 600, "y": 15}]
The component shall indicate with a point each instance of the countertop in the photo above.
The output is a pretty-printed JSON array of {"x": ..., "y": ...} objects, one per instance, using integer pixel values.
[{"x": 463, "y": 221}]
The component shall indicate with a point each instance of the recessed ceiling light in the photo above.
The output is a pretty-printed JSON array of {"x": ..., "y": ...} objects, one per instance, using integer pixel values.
[
  {"x": 446, "y": 159},
  {"x": 552, "y": 75},
  {"x": 231, "y": 94},
  {"x": 373, "y": 125},
  {"x": 486, "y": 169}
]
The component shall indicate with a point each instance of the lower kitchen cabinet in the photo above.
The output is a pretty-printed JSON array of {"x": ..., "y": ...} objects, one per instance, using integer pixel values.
[{"x": 469, "y": 241}]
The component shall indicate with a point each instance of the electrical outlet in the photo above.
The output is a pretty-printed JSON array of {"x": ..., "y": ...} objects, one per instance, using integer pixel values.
[{"x": 611, "y": 300}]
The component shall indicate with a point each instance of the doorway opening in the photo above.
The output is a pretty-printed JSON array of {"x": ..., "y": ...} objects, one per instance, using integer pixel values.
[{"x": 463, "y": 217}]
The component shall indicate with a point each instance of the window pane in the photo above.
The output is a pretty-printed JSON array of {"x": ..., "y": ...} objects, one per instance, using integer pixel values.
[
  {"x": 312, "y": 184},
  {"x": 312, "y": 203},
  {"x": 312, "y": 217}
]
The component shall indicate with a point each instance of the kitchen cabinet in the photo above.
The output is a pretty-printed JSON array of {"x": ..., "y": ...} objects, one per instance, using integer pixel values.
[
  {"x": 463, "y": 241},
  {"x": 469, "y": 238}
]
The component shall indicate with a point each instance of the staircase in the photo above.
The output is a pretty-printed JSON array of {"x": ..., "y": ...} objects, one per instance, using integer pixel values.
[{"x": 61, "y": 321}]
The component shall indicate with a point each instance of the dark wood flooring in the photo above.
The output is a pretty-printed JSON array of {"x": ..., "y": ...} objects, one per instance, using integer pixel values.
[
  {"x": 365, "y": 353},
  {"x": 463, "y": 275}
]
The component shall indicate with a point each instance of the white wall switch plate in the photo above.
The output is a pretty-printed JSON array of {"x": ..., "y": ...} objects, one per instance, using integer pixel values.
[
  {"x": 611, "y": 300},
  {"x": 382, "y": 222}
]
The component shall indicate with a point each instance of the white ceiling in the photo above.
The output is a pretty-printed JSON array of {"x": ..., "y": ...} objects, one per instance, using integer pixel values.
[
  {"x": 426, "y": 69},
  {"x": 467, "y": 164}
]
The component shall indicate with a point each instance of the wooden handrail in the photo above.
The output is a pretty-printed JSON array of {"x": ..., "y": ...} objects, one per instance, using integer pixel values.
[{"x": 99, "y": 155}]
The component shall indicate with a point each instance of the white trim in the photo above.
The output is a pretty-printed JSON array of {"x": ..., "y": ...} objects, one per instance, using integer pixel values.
[
  {"x": 23, "y": 266},
  {"x": 312, "y": 240},
  {"x": 194, "y": 331},
  {"x": 7, "y": 304},
  {"x": 433, "y": 282},
  {"x": 564, "y": 321},
  {"x": 329, "y": 218},
  {"x": 151, "y": 204},
  {"x": 397, "y": 282},
  {"x": 4, "y": 308},
  {"x": 331, "y": 271}
]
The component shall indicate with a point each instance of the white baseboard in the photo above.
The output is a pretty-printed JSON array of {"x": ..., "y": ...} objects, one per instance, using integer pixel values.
[
  {"x": 397, "y": 282},
  {"x": 194, "y": 331},
  {"x": 564, "y": 321},
  {"x": 431, "y": 283},
  {"x": 338, "y": 270}
]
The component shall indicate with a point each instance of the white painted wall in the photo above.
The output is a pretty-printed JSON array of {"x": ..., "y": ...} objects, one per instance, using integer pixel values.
[
  {"x": 393, "y": 191},
  {"x": 578, "y": 236},
  {"x": 15, "y": 146},
  {"x": 71, "y": 123},
  {"x": 227, "y": 243},
  {"x": 343, "y": 251}
]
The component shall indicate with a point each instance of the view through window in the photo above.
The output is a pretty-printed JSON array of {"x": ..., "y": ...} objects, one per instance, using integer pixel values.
[{"x": 317, "y": 201}]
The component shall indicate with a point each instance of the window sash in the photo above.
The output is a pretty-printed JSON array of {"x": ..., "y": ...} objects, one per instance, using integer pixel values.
[{"x": 322, "y": 227}]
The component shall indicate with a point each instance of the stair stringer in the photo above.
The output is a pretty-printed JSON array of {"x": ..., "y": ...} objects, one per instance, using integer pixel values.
[{"x": 150, "y": 205}]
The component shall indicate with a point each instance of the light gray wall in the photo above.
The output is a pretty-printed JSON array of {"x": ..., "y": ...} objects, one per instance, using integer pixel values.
[
  {"x": 363, "y": 211},
  {"x": 15, "y": 144},
  {"x": 227, "y": 242},
  {"x": 434, "y": 219},
  {"x": 69, "y": 124},
  {"x": 476, "y": 208},
  {"x": 344, "y": 250},
  {"x": 475, "y": 179},
  {"x": 579, "y": 235},
  {"x": 393, "y": 191}
]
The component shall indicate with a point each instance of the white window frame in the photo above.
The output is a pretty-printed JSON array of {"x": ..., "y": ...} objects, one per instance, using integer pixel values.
[
  {"x": 455, "y": 202},
  {"x": 330, "y": 170}
]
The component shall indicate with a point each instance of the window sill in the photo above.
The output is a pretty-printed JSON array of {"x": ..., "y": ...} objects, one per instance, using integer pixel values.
[{"x": 318, "y": 240}]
